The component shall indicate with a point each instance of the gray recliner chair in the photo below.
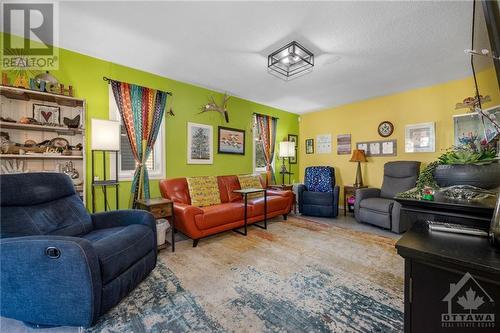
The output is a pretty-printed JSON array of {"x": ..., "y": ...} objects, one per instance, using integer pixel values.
[{"x": 377, "y": 206}]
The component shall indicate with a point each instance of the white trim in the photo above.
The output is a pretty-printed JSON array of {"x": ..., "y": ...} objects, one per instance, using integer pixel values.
[{"x": 159, "y": 149}]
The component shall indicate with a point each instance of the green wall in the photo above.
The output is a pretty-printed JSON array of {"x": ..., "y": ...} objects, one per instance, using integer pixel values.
[{"x": 86, "y": 73}]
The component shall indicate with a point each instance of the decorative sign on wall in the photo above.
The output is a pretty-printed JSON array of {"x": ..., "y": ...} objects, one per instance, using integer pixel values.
[
  {"x": 324, "y": 144},
  {"x": 344, "y": 144},
  {"x": 420, "y": 138},
  {"x": 378, "y": 148}
]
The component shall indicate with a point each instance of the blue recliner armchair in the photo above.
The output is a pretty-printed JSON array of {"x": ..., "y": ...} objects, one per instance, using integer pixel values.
[
  {"x": 319, "y": 196},
  {"x": 60, "y": 265}
]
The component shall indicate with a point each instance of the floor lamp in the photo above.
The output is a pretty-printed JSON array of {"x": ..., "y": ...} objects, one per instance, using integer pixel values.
[
  {"x": 287, "y": 150},
  {"x": 105, "y": 138}
]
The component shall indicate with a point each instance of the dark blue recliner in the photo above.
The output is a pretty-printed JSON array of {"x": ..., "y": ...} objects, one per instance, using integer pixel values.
[
  {"x": 319, "y": 196},
  {"x": 60, "y": 265}
]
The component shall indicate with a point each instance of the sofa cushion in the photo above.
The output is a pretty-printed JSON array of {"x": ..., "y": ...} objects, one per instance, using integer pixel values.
[
  {"x": 204, "y": 191},
  {"x": 274, "y": 203},
  {"x": 214, "y": 216},
  {"x": 377, "y": 204},
  {"x": 250, "y": 181},
  {"x": 119, "y": 248}
]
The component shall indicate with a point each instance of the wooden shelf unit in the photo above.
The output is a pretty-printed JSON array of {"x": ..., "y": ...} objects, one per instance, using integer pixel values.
[{"x": 17, "y": 103}]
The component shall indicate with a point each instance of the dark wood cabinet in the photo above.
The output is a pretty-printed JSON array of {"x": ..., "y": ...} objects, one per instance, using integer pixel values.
[{"x": 452, "y": 281}]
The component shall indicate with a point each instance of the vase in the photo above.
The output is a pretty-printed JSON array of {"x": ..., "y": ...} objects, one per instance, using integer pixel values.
[{"x": 485, "y": 176}]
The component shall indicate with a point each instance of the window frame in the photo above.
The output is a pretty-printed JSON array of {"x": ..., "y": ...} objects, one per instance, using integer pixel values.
[
  {"x": 158, "y": 150},
  {"x": 255, "y": 142}
]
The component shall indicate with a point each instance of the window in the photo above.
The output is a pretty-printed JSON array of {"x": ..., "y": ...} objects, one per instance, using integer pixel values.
[
  {"x": 126, "y": 162},
  {"x": 259, "y": 160}
]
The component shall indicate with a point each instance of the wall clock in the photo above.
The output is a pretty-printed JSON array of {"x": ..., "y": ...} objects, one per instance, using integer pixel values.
[{"x": 385, "y": 129}]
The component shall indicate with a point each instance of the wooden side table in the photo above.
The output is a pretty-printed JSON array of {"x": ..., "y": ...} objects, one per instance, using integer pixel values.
[
  {"x": 161, "y": 209},
  {"x": 348, "y": 191}
]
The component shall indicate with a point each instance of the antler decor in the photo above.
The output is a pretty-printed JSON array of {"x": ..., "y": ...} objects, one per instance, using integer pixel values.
[{"x": 213, "y": 106}]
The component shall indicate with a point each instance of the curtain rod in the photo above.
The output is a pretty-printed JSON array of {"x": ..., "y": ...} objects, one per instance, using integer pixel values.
[
  {"x": 260, "y": 114},
  {"x": 108, "y": 80}
]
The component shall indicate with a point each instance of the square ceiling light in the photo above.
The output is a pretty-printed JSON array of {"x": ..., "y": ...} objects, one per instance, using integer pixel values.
[{"x": 290, "y": 60}]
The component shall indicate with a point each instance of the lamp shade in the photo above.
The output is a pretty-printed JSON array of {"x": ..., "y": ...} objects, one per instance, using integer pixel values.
[
  {"x": 105, "y": 134},
  {"x": 358, "y": 155},
  {"x": 287, "y": 149}
]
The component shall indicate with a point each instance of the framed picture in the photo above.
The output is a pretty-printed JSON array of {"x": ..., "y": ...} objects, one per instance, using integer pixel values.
[
  {"x": 309, "y": 146},
  {"x": 378, "y": 148},
  {"x": 47, "y": 114},
  {"x": 324, "y": 143},
  {"x": 199, "y": 144},
  {"x": 344, "y": 144},
  {"x": 420, "y": 138},
  {"x": 231, "y": 141},
  {"x": 469, "y": 127},
  {"x": 293, "y": 138}
]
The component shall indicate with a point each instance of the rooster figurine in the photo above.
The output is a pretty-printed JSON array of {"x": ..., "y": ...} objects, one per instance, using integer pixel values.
[{"x": 212, "y": 106}]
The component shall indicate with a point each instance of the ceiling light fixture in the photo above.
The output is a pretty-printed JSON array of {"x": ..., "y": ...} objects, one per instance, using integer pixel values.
[{"x": 290, "y": 60}]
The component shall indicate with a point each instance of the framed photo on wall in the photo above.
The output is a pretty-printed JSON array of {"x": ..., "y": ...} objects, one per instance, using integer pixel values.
[
  {"x": 420, "y": 138},
  {"x": 47, "y": 114},
  {"x": 199, "y": 144},
  {"x": 231, "y": 141},
  {"x": 293, "y": 138},
  {"x": 309, "y": 146}
]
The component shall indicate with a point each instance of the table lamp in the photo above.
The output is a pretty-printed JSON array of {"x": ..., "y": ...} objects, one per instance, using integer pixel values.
[
  {"x": 287, "y": 150},
  {"x": 358, "y": 155}
]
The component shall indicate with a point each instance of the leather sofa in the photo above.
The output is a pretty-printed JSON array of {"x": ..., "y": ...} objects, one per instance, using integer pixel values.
[
  {"x": 59, "y": 265},
  {"x": 377, "y": 206},
  {"x": 199, "y": 222}
]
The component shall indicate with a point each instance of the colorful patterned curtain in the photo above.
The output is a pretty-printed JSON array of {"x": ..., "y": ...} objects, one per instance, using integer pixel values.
[
  {"x": 141, "y": 110},
  {"x": 267, "y": 135}
]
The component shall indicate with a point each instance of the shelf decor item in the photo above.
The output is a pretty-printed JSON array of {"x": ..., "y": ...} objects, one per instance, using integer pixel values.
[
  {"x": 46, "y": 114},
  {"x": 358, "y": 156},
  {"x": 231, "y": 141},
  {"x": 290, "y": 60},
  {"x": 105, "y": 138}
]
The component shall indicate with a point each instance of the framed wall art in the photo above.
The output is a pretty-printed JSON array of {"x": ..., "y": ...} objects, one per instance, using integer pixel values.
[
  {"x": 378, "y": 148},
  {"x": 344, "y": 144},
  {"x": 324, "y": 144},
  {"x": 47, "y": 114},
  {"x": 231, "y": 141},
  {"x": 199, "y": 144},
  {"x": 293, "y": 138},
  {"x": 420, "y": 138},
  {"x": 309, "y": 146}
]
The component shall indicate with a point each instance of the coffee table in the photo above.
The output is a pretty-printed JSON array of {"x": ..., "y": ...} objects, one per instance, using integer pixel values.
[{"x": 245, "y": 193}]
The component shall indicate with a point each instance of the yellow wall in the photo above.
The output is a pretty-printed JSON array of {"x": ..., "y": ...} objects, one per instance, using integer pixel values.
[{"x": 361, "y": 119}]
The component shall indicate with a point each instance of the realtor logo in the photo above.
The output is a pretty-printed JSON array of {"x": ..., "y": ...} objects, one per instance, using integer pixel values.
[
  {"x": 469, "y": 305},
  {"x": 30, "y": 32}
]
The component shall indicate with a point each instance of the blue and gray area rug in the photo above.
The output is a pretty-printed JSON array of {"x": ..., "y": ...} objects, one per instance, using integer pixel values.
[{"x": 298, "y": 276}]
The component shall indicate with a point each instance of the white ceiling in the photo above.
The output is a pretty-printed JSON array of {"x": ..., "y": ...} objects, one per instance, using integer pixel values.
[{"x": 363, "y": 49}]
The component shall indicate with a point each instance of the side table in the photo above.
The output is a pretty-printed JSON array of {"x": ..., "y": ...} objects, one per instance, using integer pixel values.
[
  {"x": 161, "y": 209},
  {"x": 245, "y": 193},
  {"x": 348, "y": 191}
]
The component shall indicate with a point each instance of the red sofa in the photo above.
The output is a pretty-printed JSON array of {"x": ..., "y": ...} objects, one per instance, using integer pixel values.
[{"x": 199, "y": 222}]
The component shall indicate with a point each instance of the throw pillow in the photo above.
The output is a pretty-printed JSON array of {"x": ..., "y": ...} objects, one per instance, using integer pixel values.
[
  {"x": 203, "y": 191},
  {"x": 250, "y": 181}
]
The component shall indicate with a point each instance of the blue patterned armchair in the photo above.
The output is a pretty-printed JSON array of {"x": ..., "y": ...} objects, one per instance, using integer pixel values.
[
  {"x": 319, "y": 196},
  {"x": 59, "y": 265}
]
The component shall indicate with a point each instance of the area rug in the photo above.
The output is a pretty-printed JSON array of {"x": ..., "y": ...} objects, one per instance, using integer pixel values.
[{"x": 297, "y": 276}]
